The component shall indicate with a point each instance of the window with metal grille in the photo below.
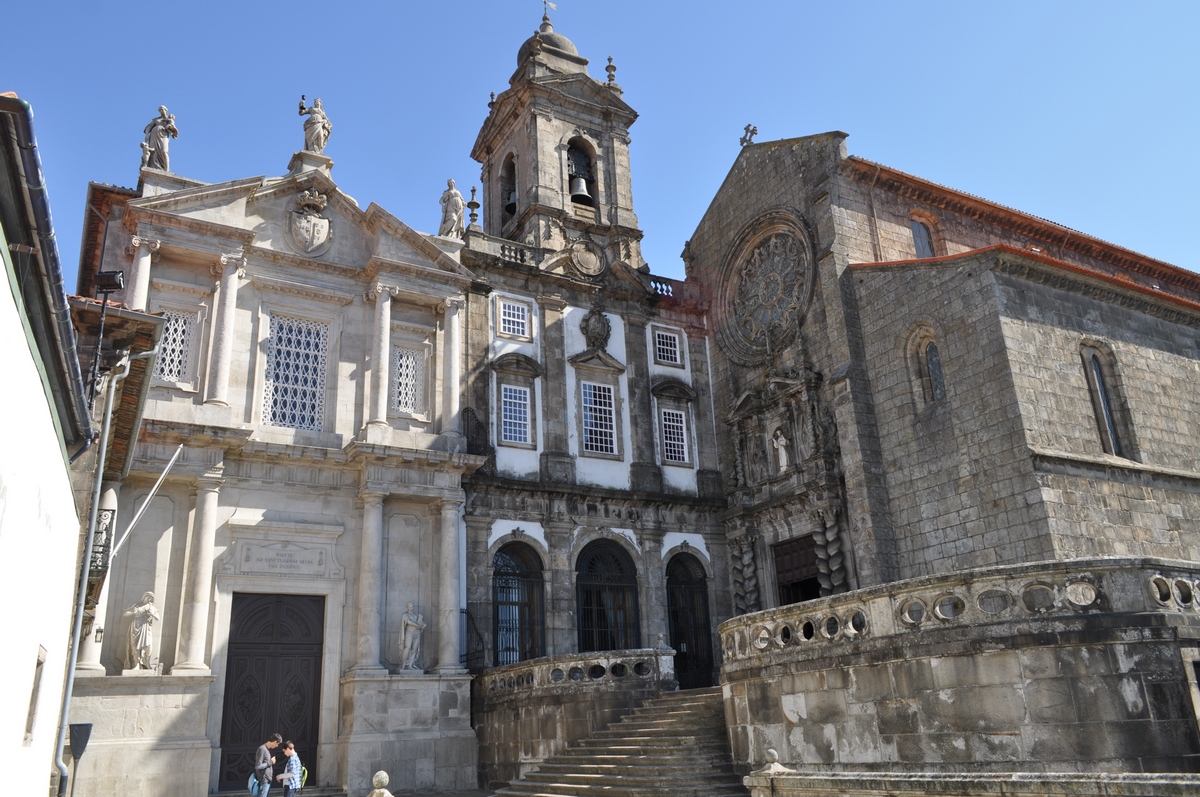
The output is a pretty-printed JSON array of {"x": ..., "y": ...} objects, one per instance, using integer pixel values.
[
  {"x": 517, "y": 618},
  {"x": 174, "y": 361},
  {"x": 674, "y": 436},
  {"x": 922, "y": 238},
  {"x": 408, "y": 375},
  {"x": 295, "y": 379},
  {"x": 514, "y": 414},
  {"x": 599, "y": 419},
  {"x": 606, "y": 598},
  {"x": 514, "y": 319},
  {"x": 666, "y": 347}
]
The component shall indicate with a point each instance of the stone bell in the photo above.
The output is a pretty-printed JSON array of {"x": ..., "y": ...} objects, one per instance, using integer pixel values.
[
  {"x": 579, "y": 192},
  {"x": 510, "y": 206}
]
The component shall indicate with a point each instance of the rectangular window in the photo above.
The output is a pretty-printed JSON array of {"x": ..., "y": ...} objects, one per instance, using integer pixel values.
[
  {"x": 599, "y": 419},
  {"x": 514, "y": 319},
  {"x": 408, "y": 380},
  {"x": 174, "y": 361},
  {"x": 295, "y": 381},
  {"x": 514, "y": 414},
  {"x": 666, "y": 347},
  {"x": 674, "y": 436}
]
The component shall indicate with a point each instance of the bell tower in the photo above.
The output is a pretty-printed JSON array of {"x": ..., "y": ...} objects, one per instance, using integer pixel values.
[{"x": 555, "y": 157}]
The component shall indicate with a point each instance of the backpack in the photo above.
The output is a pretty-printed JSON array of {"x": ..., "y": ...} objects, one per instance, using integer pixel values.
[
  {"x": 303, "y": 777},
  {"x": 252, "y": 784}
]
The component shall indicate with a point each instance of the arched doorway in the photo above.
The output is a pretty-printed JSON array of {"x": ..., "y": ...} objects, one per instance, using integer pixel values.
[
  {"x": 518, "y": 622},
  {"x": 607, "y": 599},
  {"x": 687, "y": 618}
]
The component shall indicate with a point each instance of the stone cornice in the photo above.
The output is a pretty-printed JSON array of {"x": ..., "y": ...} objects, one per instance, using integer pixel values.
[
  {"x": 974, "y": 207},
  {"x": 381, "y": 219},
  {"x": 144, "y": 220},
  {"x": 281, "y": 258},
  {"x": 181, "y": 199},
  {"x": 436, "y": 280},
  {"x": 305, "y": 290}
]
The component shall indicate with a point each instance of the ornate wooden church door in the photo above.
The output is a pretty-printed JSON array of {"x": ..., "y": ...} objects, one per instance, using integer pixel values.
[
  {"x": 272, "y": 681},
  {"x": 687, "y": 607}
]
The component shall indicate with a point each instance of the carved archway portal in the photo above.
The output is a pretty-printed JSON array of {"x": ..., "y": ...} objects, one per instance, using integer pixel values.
[
  {"x": 607, "y": 598},
  {"x": 687, "y": 619}
]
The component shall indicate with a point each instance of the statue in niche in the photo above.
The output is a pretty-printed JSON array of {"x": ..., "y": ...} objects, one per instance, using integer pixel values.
[
  {"x": 412, "y": 625},
  {"x": 138, "y": 656},
  {"x": 758, "y": 461},
  {"x": 452, "y": 212},
  {"x": 155, "y": 149},
  {"x": 317, "y": 126},
  {"x": 780, "y": 444}
]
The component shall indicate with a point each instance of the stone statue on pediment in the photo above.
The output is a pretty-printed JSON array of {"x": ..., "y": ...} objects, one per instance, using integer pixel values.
[
  {"x": 317, "y": 126},
  {"x": 452, "y": 212},
  {"x": 155, "y": 149},
  {"x": 412, "y": 624}
]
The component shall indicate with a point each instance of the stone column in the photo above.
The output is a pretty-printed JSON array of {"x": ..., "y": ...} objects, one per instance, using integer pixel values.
[
  {"x": 193, "y": 630},
  {"x": 449, "y": 649},
  {"x": 106, "y": 527},
  {"x": 233, "y": 268},
  {"x": 370, "y": 581},
  {"x": 557, "y": 465},
  {"x": 644, "y": 472},
  {"x": 138, "y": 288},
  {"x": 377, "y": 412},
  {"x": 452, "y": 373}
]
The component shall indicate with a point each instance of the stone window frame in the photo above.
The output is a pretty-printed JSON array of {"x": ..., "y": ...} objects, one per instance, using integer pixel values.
[
  {"x": 1106, "y": 393},
  {"x": 519, "y": 371},
  {"x": 530, "y": 317},
  {"x": 412, "y": 338},
  {"x": 927, "y": 391},
  {"x": 197, "y": 307},
  {"x": 307, "y": 311},
  {"x": 589, "y": 150},
  {"x": 674, "y": 395},
  {"x": 680, "y": 345},
  {"x": 933, "y": 225},
  {"x": 613, "y": 382}
]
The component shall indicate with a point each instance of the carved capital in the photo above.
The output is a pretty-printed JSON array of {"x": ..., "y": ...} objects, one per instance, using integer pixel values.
[
  {"x": 453, "y": 303},
  {"x": 150, "y": 243},
  {"x": 371, "y": 498},
  {"x": 378, "y": 289},
  {"x": 236, "y": 261}
]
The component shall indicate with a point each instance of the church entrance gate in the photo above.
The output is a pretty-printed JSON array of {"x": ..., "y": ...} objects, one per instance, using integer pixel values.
[
  {"x": 272, "y": 681},
  {"x": 687, "y": 608}
]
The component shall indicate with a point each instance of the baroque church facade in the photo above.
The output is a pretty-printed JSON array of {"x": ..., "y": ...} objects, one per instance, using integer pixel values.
[{"x": 399, "y": 460}]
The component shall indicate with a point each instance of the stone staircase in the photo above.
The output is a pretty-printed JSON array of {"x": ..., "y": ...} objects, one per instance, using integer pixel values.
[{"x": 673, "y": 746}]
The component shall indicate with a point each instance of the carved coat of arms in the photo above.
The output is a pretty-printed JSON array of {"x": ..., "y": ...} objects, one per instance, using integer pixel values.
[{"x": 308, "y": 232}]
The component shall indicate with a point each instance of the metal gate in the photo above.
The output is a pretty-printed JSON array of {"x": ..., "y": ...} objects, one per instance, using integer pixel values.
[
  {"x": 606, "y": 590},
  {"x": 517, "y": 617},
  {"x": 272, "y": 681},
  {"x": 687, "y": 607}
]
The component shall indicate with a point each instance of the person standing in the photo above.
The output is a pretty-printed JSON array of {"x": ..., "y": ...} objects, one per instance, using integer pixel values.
[
  {"x": 263, "y": 764},
  {"x": 290, "y": 777}
]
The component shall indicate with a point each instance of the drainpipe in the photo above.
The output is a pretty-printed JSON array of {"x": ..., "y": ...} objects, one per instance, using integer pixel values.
[
  {"x": 114, "y": 380},
  {"x": 52, "y": 275}
]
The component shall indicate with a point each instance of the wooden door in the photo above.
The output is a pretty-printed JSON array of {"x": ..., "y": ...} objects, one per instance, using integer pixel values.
[{"x": 272, "y": 681}]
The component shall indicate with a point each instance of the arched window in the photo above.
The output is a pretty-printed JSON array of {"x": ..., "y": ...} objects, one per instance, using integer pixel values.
[
  {"x": 1116, "y": 435},
  {"x": 935, "y": 379},
  {"x": 581, "y": 174},
  {"x": 518, "y": 622},
  {"x": 607, "y": 599},
  {"x": 922, "y": 226},
  {"x": 687, "y": 620},
  {"x": 925, "y": 366},
  {"x": 508, "y": 188}
]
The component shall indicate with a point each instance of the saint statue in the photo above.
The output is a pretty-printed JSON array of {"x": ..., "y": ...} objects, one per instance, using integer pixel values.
[
  {"x": 452, "y": 212},
  {"x": 159, "y": 133},
  {"x": 141, "y": 635},
  {"x": 410, "y": 637},
  {"x": 316, "y": 127},
  {"x": 780, "y": 444}
]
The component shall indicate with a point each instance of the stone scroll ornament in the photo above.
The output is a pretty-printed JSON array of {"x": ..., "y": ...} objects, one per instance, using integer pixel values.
[
  {"x": 831, "y": 560},
  {"x": 766, "y": 287},
  {"x": 745, "y": 575}
]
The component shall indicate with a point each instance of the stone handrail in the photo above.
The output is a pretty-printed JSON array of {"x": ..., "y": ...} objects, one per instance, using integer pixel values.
[
  {"x": 971, "y": 598},
  {"x": 601, "y": 670}
]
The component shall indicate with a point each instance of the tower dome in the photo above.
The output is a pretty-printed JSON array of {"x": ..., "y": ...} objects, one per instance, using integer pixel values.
[{"x": 549, "y": 39}]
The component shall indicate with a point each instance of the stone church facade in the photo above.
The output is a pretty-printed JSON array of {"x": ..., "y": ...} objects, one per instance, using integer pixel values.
[{"x": 402, "y": 460}]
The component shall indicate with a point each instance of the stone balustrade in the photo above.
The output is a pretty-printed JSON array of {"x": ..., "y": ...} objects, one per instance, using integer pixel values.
[
  {"x": 529, "y": 711},
  {"x": 1081, "y": 665}
]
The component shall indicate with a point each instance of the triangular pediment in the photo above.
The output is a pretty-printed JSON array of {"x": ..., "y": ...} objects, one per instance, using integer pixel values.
[{"x": 597, "y": 360}]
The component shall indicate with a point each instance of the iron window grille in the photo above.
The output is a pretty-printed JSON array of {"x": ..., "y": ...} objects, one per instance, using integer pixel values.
[
  {"x": 607, "y": 598},
  {"x": 297, "y": 350},
  {"x": 174, "y": 360},
  {"x": 518, "y": 619},
  {"x": 408, "y": 380}
]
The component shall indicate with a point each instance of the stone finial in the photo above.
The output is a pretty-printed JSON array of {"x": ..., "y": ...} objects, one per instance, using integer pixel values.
[
  {"x": 473, "y": 206},
  {"x": 773, "y": 767},
  {"x": 380, "y": 781},
  {"x": 492, "y": 102},
  {"x": 748, "y": 138},
  {"x": 612, "y": 72}
]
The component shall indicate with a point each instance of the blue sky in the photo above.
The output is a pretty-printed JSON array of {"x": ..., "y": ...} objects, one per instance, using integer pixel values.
[{"x": 1084, "y": 113}]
